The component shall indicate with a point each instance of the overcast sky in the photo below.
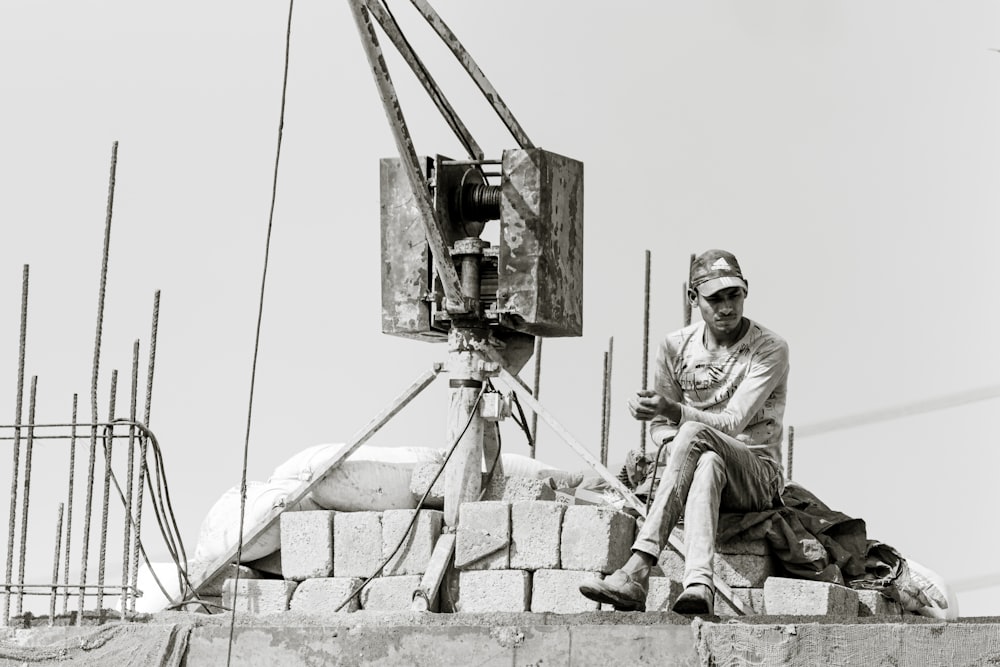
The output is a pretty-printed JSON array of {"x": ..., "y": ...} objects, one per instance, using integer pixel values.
[{"x": 848, "y": 153}]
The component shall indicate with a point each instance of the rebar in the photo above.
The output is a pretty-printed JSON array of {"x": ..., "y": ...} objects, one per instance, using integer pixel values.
[
  {"x": 96, "y": 369},
  {"x": 105, "y": 498},
  {"x": 607, "y": 399},
  {"x": 69, "y": 504},
  {"x": 15, "y": 464},
  {"x": 536, "y": 387},
  {"x": 55, "y": 565},
  {"x": 128, "y": 475},
  {"x": 645, "y": 349},
  {"x": 27, "y": 490},
  {"x": 791, "y": 449},
  {"x": 604, "y": 410},
  {"x": 143, "y": 444}
]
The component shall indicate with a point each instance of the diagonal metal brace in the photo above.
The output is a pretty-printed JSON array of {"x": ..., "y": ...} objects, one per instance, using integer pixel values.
[{"x": 455, "y": 301}]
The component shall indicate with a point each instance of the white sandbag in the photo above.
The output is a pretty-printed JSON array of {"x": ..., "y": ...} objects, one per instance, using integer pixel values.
[
  {"x": 944, "y": 601},
  {"x": 220, "y": 527},
  {"x": 525, "y": 466},
  {"x": 372, "y": 478},
  {"x": 152, "y": 598}
]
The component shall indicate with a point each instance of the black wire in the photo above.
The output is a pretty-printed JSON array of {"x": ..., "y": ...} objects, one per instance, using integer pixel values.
[{"x": 420, "y": 504}]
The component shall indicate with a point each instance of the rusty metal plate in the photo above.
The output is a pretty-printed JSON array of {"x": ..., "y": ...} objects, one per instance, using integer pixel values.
[{"x": 540, "y": 282}]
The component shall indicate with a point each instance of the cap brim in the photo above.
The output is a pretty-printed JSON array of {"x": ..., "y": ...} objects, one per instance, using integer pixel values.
[{"x": 710, "y": 287}]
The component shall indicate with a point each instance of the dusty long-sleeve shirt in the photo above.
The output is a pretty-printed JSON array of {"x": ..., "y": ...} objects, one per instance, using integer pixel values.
[{"x": 740, "y": 390}]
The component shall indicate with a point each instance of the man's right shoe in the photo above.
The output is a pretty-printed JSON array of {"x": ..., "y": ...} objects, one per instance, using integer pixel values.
[
  {"x": 696, "y": 599},
  {"x": 618, "y": 589}
]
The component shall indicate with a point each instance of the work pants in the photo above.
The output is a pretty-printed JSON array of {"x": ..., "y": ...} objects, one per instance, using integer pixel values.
[{"x": 707, "y": 472}]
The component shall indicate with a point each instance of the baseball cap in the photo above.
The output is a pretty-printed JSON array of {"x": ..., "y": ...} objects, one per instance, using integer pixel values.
[{"x": 715, "y": 270}]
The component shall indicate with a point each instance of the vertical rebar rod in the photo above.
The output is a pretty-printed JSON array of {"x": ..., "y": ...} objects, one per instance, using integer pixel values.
[
  {"x": 69, "y": 505},
  {"x": 130, "y": 469},
  {"x": 645, "y": 348},
  {"x": 15, "y": 464},
  {"x": 536, "y": 387},
  {"x": 57, "y": 553},
  {"x": 143, "y": 444},
  {"x": 791, "y": 449},
  {"x": 109, "y": 441},
  {"x": 687, "y": 301},
  {"x": 604, "y": 410},
  {"x": 607, "y": 399},
  {"x": 29, "y": 445},
  {"x": 95, "y": 372}
]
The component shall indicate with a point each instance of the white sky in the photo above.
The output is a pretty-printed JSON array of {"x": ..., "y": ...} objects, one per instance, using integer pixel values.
[{"x": 848, "y": 153}]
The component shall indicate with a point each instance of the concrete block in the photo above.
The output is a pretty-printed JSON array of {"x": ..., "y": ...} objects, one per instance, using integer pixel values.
[
  {"x": 258, "y": 596},
  {"x": 802, "y": 597},
  {"x": 307, "y": 544},
  {"x": 323, "y": 596},
  {"x": 359, "y": 535},
  {"x": 483, "y": 539},
  {"x": 494, "y": 590},
  {"x": 558, "y": 591},
  {"x": 873, "y": 603},
  {"x": 413, "y": 556},
  {"x": 662, "y": 593},
  {"x": 739, "y": 570},
  {"x": 752, "y": 599},
  {"x": 595, "y": 539},
  {"x": 535, "y": 528},
  {"x": 390, "y": 593},
  {"x": 213, "y": 587},
  {"x": 421, "y": 478},
  {"x": 514, "y": 488},
  {"x": 737, "y": 547}
]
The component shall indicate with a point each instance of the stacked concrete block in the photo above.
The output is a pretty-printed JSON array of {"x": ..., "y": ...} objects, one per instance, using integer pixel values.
[
  {"x": 483, "y": 539},
  {"x": 739, "y": 570},
  {"x": 802, "y": 597},
  {"x": 416, "y": 551},
  {"x": 873, "y": 603},
  {"x": 752, "y": 598},
  {"x": 390, "y": 593},
  {"x": 421, "y": 478},
  {"x": 494, "y": 590},
  {"x": 323, "y": 596},
  {"x": 359, "y": 535},
  {"x": 595, "y": 539},
  {"x": 535, "y": 535},
  {"x": 661, "y": 593},
  {"x": 307, "y": 544},
  {"x": 558, "y": 591},
  {"x": 259, "y": 597},
  {"x": 213, "y": 587},
  {"x": 513, "y": 488}
]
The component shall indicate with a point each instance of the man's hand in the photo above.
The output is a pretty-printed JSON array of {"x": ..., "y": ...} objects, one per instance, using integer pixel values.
[{"x": 647, "y": 404}]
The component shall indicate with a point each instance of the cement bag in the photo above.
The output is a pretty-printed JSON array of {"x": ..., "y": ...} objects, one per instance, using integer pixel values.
[
  {"x": 372, "y": 478},
  {"x": 153, "y": 599},
  {"x": 943, "y": 601},
  {"x": 220, "y": 527},
  {"x": 525, "y": 466}
]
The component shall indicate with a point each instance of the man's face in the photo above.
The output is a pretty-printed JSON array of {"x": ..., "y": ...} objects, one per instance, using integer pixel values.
[{"x": 723, "y": 311}]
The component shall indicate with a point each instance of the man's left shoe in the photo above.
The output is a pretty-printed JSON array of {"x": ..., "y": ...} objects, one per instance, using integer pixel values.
[{"x": 696, "y": 600}]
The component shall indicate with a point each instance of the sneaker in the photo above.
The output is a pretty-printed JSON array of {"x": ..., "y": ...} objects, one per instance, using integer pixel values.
[
  {"x": 618, "y": 589},
  {"x": 697, "y": 599}
]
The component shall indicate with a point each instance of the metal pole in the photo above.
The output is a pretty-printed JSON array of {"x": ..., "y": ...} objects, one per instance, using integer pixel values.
[
  {"x": 143, "y": 444},
  {"x": 607, "y": 399},
  {"x": 791, "y": 448},
  {"x": 69, "y": 506},
  {"x": 105, "y": 498},
  {"x": 687, "y": 301},
  {"x": 15, "y": 464},
  {"x": 536, "y": 387},
  {"x": 604, "y": 411},
  {"x": 95, "y": 372},
  {"x": 55, "y": 566},
  {"x": 27, "y": 492},
  {"x": 130, "y": 470},
  {"x": 645, "y": 348}
]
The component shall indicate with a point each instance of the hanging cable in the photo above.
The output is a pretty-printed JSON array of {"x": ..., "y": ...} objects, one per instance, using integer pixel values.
[{"x": 260, "y": 315}]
